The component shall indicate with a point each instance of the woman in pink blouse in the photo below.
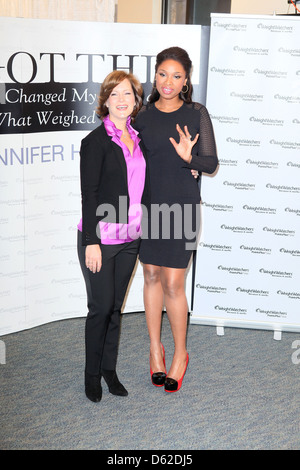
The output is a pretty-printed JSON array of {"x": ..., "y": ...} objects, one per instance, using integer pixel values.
[{"x": 114, "y": 186}]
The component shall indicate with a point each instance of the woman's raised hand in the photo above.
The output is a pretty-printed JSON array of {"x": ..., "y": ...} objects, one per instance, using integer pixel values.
[{"x": 185, "y": 144}]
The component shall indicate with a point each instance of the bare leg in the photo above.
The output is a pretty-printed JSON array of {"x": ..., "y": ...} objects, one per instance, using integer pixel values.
[
  {"x": 153, "y": 300},
  {"x": 173, "y": 284}
]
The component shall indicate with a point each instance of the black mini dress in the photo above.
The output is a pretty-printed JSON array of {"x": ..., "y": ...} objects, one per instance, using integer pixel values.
[{"x": 171, "y": 225}]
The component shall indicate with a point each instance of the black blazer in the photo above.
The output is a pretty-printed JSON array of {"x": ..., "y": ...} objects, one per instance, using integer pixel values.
[{"x": 103, "y": 175}]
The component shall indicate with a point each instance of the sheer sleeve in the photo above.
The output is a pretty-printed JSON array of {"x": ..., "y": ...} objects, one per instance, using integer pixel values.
[{"x": 204, "y": 153}]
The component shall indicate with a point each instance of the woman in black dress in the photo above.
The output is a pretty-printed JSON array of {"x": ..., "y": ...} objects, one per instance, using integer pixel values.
[{"x": 173, "y": 223}]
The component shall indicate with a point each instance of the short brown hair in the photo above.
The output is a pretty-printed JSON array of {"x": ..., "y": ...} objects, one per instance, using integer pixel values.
[{"x": 110, "y": 82}]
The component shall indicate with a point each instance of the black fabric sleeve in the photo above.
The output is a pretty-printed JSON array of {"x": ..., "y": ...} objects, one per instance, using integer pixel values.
[{"x": 204, "y": 153}]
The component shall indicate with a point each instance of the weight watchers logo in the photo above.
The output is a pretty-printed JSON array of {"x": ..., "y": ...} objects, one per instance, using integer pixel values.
[
  {"x": 290, "y": 295},
  {"x": 251, "y": 50},
  {"x": 292, "y": 52},
  {"x": 231, "y": 26},
  {"x": 272, "y": 313},
  {"x": 256, "y": 250},
  {"x": 288, "y": 98},
  {"x": 290, "y": 252},
  {"x": 247, "y": 96},
  {"x": 243, "y": 142},
  {"x": 267, "y": 121},
  {"x": 293, "y": 164},
  {"x": 286, "y": 144},
  {"x": 240, "y": 186},
  {"x": 275, "y": 273},
  {"x": 262, "y": 164},
  {"x": 232, "y": 310},
  {"x": 212, "y": 289},
  {"x": 228, "y": 162},
  {"x": 283, "y": 189},
  {"x": 260, "y": 210},
  {"x": 234, "y": 270},
  {"x": 280, "y": 232},
  {"x": 237, "y": 229},
  {"x": 262, "y": 293},
  {"x": 226, "y": 119},
  {"x": 215, "y": 247},
  {"x": 218, "y": 207},
  {"x": 272, "y": 28},
  {"x": 229, "y": 72},
  {"x": 271, "y": 73},
  {"x": 290, "y": 210}
]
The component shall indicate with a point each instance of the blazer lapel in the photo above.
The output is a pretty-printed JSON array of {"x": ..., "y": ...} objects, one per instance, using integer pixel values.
[
  {"x": 116, "y": 150},
  {"x": 120, "y": 157},
  {"x": 143, "y": 148}
]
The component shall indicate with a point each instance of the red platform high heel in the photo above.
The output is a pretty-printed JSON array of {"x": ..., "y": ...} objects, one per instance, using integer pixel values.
[
  {"x": 158, "y": 378},
  {"x": 172, "y": 385}
]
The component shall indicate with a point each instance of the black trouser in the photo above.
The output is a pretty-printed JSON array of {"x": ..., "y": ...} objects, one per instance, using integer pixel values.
[{"x": 106, "y": 291}]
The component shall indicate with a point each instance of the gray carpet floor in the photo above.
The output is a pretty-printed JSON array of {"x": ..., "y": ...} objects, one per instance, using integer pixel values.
[{"x": 241, "y": 391}]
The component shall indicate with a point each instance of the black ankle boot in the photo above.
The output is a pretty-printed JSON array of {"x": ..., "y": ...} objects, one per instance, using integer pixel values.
[
  {"x": 93, "y": 389},
  {"x": 114, "y": 385}
]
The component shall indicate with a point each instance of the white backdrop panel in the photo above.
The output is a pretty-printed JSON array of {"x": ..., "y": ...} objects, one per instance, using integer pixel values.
[{"x": 247, "y": 271}]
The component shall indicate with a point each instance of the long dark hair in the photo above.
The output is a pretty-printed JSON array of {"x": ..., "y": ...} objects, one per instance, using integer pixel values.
[{"x": 181, "y": 56}]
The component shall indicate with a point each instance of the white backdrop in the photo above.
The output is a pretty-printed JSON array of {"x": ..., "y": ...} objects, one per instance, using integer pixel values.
[
  {"x": 247, "y": 271},
  {"x": 48, "y": 87}
]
